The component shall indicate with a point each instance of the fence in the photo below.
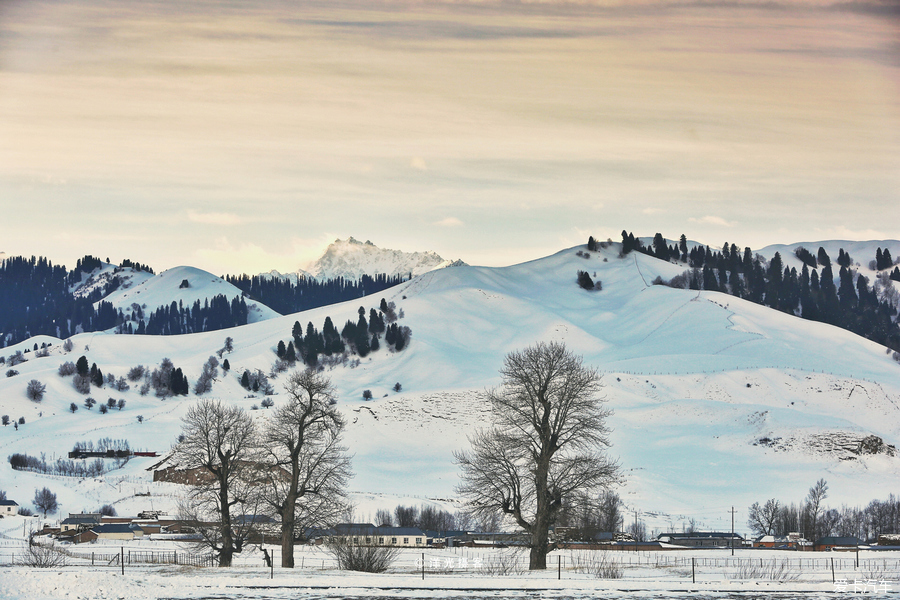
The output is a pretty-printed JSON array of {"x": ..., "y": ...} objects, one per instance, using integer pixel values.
[{"x": 601, "y": 564}]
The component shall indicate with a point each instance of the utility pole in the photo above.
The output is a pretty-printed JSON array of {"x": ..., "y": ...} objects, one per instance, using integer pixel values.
[{"x": 732, "y": 530}]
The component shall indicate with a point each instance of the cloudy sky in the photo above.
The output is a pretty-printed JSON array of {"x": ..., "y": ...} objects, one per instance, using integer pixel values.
[{"x": 243, "y": 136}]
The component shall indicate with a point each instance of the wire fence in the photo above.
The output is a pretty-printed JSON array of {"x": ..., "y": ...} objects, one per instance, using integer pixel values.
[{"x": 601, "y": 564}]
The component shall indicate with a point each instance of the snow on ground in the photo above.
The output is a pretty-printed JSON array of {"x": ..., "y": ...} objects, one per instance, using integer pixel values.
[
  {"x": 698, "y": 382},
  {"x": 450, "y": 573}
]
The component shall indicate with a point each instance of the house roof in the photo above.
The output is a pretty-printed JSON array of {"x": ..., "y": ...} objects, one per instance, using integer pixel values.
[
  {"x": 371, "y": 530},
  {"x": 79, "y": 521},
  {"x": 8, "y": 503},
  {"x": 115, "y": 528},
  {"x": 700, "y": 535},
  {"x": 839, "y": 541}
]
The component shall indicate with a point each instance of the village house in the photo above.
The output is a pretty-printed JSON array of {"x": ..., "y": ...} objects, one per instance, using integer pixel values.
[
  {"x": 80, "y": 521},
  {"x": 702, "y": 539},
  {"x": 8, "y": 508},
  {"x": 791, "y": 541},
  {"x": 366, "y": 534},
  {"x": 827, "y": 544}
]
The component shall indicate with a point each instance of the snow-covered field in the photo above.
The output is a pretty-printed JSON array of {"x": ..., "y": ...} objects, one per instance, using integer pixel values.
[
  {"x": 458, "y": 573},
  {"x": 717, "y": 402}
]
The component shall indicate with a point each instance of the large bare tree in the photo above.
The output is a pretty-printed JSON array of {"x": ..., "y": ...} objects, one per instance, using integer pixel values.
[
  {"x": 308, "y": 484},
  {"x": 762, "y": 519},
  {"x": 548, "y": 442},
  {"x": 218, "y": 449}
]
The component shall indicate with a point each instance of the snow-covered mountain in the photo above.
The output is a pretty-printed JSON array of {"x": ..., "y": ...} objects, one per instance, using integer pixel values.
[
  {"x": 184, "y": 285},
  {"x": 351, "y": 259},
  {"x": 717, "y": 401}
]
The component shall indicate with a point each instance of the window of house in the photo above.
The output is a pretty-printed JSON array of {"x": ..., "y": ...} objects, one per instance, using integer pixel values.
[
  {"x": 393, "y": 540},
  {"x": 405, "y": 540}
]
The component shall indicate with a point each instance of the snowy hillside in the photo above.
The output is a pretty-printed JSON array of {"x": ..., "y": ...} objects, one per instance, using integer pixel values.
[
  {"x": 152, "y": 291},
  {"x": 717, "y": 401},
  {"x": 351, "y": 259}
]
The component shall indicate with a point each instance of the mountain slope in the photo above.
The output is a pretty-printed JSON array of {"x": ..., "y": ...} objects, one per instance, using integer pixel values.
[
  {"x": 163, "y": 289},
  {"x": 717, "y": 401}
]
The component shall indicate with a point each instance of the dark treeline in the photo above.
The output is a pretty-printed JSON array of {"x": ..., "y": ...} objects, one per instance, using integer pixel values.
[
  {"x": 174, "y": 319},
  {"x": 35, "y": 300},
  {"x": 286, "y": 297},
  {"x": 821, "y": 291}
]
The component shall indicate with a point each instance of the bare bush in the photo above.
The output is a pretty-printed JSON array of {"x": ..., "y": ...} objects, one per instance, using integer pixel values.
[
  {"x": 136, "y": 373},
  {"x": 68, "y": 345},
  {"x": 511, "y": 562},
  {"x": 773, "y": 570},
  {"x": 11, "y": 373},
  {"x": 599, "y": 563},
  {"x": 82, "y": 384},
  {"x": 42, "y": 555},
  {"x": 352, "y": 556},
  {"x": 35, "y": 390},
  {"x": 16, "y": 359},
  {"x": 66, "y": 369}
]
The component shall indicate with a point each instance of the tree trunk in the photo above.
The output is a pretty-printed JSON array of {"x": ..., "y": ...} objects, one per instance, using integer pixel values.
[
  {"x": 287, "y": 531},
  {"x": 540, "y": 545},
  {"x": 288, "y": 510}
]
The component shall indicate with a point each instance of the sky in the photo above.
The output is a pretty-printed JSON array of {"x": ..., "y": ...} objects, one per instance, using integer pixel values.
[{"x": 244, "y": 136}]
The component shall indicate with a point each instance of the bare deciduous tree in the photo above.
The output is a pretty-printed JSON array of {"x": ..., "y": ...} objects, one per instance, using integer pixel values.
[
  {"x": 35, "y": 390},
  {"x": 219, "y": 443},
  {"x": 308, "y": 483},
  {"x": 547, "y": 443},
  {"x": 762, "y": 519}
]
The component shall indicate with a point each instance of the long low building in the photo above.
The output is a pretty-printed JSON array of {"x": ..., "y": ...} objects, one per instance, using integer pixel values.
[{"x": 366, "y": 534}]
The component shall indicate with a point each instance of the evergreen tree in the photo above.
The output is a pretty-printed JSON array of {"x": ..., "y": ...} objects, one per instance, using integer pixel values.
[
  {"x": 226, "y": 366},
  {"x": 81, "y": 366},
  {"x": 280, "y": 350},
  {"x": 245, "y": 380},
  {"x": 591, "y": 245},
  {"x": 290, "y": 355},
  {"x": 847, "y": 291},
  {"x": 823, "y": 257}
]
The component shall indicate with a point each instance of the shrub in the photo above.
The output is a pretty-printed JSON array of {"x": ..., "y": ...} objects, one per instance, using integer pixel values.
[
  {"x": 82, "y": 384},
  {"x": 73, "y": 407},
  {"x": 5, "y": 420},
  {"x": 68, "y": 345},
  {"x": 42, "y": 556},
  {"x": 24, "y": 511},
  {"x": 267, "y": 403},
  {"x": 356, "y": 557},
  {"x": 107, "y": 510},
  {"x": 136, "y": 373},
  {"x": 35, "y": 390},
  {"x": 367, "y": 394},
  {"x": 140, "y": 418},
  {"x": 397, "y": 387},
  {"x": 16, "y": 359},
  {"x": 11, "y": 373},
  {"x": 66, "y": 369},
  {"x": 21, "y": 420},
  {"x": 89, "y": 403},
  {"x": 120, "y": 404},
  {"x": 104, "y": 409}
]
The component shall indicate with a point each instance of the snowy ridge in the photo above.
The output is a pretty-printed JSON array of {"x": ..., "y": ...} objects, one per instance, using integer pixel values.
[
  {"x": 351, "y": 259},
  {"x": 713, "y": 397}
]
